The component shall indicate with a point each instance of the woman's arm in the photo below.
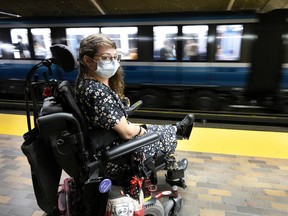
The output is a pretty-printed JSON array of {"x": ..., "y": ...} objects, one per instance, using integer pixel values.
[{"x": 127, "y": 130}]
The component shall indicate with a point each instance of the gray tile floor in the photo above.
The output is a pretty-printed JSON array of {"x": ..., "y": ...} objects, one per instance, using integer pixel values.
[{"x": 217, "y": 184}]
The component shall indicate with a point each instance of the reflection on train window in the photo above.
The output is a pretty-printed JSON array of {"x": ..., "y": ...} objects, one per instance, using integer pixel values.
[
  {"x": 125, "y": 39},
  {"x": 20, "y": 41},
  {"x": 165, "y": 38},
  {"x": 195, "y": 43},
  {"x": 228, "y": 42},
  {"x": 41, "y": 42},
  {"x": 75, "y": 35},
  {"x": 6, "y": 48}
]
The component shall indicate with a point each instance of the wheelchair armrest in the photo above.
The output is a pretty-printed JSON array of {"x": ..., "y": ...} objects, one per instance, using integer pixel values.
[
  {"x": 55, "y": 118},
  {"x": 132, "y": 145},
  {"x": 130, "y": 110}
]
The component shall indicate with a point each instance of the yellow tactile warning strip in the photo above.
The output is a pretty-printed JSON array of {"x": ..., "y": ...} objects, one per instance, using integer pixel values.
[
  {"x": 11, "y": 124},
  {"x": 210, "y": 140},
  {"x": 237, "y": 142}
]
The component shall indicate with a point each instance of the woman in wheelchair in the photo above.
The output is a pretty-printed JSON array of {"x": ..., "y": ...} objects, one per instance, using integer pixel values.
[{"x": 99, "y": 94}]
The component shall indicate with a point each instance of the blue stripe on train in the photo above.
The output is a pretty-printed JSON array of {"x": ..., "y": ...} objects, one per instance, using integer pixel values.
[{"x": 152, "y": 74}]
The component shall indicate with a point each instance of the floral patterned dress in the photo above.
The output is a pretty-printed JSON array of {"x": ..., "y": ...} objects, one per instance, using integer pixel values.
[{"x": 103, "y": 108}]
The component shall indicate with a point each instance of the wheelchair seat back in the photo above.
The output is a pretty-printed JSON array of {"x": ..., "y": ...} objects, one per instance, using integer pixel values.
[
  {"x": 68, "y": 103},
  {"x": 62, "y": 133}
]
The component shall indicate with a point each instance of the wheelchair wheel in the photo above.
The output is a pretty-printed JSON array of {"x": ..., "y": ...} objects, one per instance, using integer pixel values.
[{"x": 154, "y": 210}]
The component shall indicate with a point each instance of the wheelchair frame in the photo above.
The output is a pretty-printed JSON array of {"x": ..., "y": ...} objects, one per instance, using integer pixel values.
[{"x": 59, "y": 142}]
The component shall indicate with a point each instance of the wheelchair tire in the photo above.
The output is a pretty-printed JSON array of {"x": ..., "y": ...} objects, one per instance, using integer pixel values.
[
  {"x": 169, "y": 207},
  {"x": 154, "y": 210}
]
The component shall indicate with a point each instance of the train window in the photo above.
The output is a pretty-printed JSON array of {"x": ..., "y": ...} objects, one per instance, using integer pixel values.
[
  {"x": 75, "y": 35},
  {"x": 20, "y": 41},
  {"x": 195, "y": 43},
  {"x": 125, "y": 39},
  {"x": 165, "y": 38},
  {"x": 41, "y": 42},
  {"x": 228, "y": 42}
]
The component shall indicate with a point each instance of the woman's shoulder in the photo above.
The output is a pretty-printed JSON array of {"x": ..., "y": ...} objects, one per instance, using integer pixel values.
[
  {"x": 91, "y": 86},
  {"x": 90, "y": 83}
]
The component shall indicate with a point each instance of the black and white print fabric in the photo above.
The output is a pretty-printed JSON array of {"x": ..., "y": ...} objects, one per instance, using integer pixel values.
[{"x": 103, "y": 108}]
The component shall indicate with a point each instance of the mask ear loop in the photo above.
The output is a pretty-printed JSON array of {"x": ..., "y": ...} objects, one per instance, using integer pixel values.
[
  {"x": 87, "y": 53},
  {"x": 92, "y": 60}
]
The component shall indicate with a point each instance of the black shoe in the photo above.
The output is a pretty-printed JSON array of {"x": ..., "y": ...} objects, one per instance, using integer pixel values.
[
  {"x": 182, "y": 164},
  {"x": 185, "y": 126},
  {"x": 179, "y": 182}
]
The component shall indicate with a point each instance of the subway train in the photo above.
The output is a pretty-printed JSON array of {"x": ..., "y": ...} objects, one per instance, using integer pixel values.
[{"x": 209, "y": 61}]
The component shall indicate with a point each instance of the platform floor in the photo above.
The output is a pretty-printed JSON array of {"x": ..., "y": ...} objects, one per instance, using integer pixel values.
[{"x": 230, "y": 172}]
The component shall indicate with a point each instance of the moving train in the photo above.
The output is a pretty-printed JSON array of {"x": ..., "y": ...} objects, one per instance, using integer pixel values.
[{"x": 193, "y": 60}]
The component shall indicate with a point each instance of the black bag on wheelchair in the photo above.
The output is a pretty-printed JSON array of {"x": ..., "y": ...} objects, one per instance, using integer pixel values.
[{"x": 45, "y": 172}]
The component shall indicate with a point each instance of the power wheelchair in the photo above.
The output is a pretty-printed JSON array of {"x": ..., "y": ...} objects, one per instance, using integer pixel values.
[{"x": 60, "y": 141}]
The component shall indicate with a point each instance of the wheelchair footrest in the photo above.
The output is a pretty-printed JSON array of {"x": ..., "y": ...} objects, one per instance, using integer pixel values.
[{"x": 176, "y": 177}]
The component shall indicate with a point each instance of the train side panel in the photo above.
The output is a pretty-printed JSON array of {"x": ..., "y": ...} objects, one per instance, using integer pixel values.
[{"x": 230, "y": 66}]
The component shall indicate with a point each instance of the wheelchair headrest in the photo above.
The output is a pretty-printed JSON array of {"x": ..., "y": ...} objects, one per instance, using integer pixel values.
[{"x": 63, "y": 57}]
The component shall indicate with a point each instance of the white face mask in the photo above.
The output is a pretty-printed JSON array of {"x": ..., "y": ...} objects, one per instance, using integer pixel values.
[{"x": 107, "y": 70}]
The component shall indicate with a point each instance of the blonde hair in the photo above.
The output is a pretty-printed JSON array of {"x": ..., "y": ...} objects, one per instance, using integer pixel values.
[{"x": 89, "y": 46}]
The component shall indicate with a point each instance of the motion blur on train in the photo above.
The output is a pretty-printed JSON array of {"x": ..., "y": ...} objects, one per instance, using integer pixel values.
[{"x": 208, "y": 61}]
